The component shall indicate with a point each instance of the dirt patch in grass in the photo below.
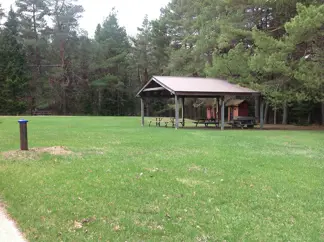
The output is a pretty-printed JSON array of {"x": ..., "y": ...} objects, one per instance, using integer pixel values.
[
  {"x": 34, "y": 153},
  {"x": 195, "y": 168}
]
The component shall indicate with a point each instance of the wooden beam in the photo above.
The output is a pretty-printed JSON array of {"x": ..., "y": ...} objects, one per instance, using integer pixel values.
[
  {"x": 217, "y": 113},
  {"x": 176, "y": 111},
  {"x": 223, "y": 113},
  {"x": 153, "y": 89},
  {"x": 142, "y": 112}
]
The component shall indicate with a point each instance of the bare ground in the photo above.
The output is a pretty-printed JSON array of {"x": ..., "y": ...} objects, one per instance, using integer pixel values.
[
  {"x": 266, "y": 127},
  {"x": 33, "y": 153}
]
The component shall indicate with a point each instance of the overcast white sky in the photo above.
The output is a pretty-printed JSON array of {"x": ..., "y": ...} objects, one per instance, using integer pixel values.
[{"x": 130, "y": 12}]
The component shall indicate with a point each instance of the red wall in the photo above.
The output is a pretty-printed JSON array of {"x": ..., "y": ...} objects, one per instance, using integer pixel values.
[
  {"x": 211, "y": 113},
  {"x": 241, "y": 110}
]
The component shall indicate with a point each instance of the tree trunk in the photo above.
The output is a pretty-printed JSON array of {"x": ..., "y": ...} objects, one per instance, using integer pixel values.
[
  {"x": 257, "y": 109},
  {"x": 118, "y": 104},
  {"x": 322, "y": 105},
  {"x": 99, "y": 101},
  {"x": 64, "y": 100},
  {"x": 210, "y": 58},
  {"x": 266, "y": 112},
  {"x": 275, "y": 115},
  {"x": 285, "y": 113},
  {"x": 309, "y": 118}
]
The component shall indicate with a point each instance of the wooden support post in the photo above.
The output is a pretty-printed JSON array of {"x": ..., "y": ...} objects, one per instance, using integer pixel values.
[
  {"x": 261, "y": 112},
  {"x": 217, "y": 113},
  {"x": 182, "y": 110},
  {"x": 176, "y": 111},
  {"x": 223, "y": 113},
  {"x": 142, "y": 112}
]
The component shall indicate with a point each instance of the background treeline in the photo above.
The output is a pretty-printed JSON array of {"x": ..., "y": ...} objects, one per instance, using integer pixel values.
[{"x": 276, "y": 46}]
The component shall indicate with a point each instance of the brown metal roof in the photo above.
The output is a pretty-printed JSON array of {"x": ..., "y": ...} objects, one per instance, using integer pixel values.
[{"x": 197, "y": 86}]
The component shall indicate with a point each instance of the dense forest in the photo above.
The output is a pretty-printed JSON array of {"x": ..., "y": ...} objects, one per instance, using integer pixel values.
[{"x": 275, "y": 46}]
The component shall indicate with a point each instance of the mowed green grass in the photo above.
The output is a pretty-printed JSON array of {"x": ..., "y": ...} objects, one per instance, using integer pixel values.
[{"x": 159, "y": 184}]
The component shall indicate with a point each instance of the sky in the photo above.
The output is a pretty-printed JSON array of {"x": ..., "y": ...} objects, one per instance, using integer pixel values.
[{"x": 130, "y": 12}]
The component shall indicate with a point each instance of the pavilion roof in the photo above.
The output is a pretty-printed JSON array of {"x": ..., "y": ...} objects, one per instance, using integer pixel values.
[{"x": 193, "y": 86}]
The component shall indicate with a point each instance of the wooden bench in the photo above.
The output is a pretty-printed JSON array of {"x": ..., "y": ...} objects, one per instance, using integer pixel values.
[
  {"x": 242, "y": 121},
  {"x": 199, "y": 121},
  {"x": 216, "y": 123},
  {"x": 206, "y": 122}
]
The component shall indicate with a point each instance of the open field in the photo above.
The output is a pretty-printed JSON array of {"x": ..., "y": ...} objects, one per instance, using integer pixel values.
[{"x": 108, "y": 179}]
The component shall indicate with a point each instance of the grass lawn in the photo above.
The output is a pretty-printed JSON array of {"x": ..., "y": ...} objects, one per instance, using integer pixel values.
[{"x": 127, "y": 183}]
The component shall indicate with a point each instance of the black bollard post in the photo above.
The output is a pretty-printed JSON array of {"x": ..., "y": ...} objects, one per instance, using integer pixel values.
[{"x": 23, "y": 134}]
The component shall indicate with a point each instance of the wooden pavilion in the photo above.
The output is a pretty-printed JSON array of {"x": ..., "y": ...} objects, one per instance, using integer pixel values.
[{"x": 180, "y": 88}]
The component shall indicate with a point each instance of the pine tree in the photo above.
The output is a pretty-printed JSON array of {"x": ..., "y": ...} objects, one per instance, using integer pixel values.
[
  {"x": 65, "y": 15},
  {"x": 110, "y": 70},
  {"x": 2, "y": 14},
  {"x": 35, "y": 32},
  {"x": 13, "y": 78},
  {"x": 143, "y": 50}
]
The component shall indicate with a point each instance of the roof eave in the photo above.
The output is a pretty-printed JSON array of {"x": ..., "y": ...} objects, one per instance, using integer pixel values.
[{"x": 215, "y": 94}]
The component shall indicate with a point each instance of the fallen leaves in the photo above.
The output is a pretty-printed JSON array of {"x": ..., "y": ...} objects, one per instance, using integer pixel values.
[
  {"x": 88, "y": 220},
  {"x": 117, "y": 228},
  {"x": 79, "y": 224},
  {"x": 151, "y": 169}
]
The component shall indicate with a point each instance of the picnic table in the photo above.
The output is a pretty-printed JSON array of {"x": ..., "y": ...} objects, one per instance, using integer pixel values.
[
  {"x": 159, "y": 120},
  {"x": 206, "y": 122},
  {"x": 172, "y": 120},
  {"x": 41, "y": 112},
  {"x": 242, "y": 121}
]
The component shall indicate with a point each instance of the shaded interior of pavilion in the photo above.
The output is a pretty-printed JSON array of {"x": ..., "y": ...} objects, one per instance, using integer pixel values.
[{"x": 216, "y": 94}]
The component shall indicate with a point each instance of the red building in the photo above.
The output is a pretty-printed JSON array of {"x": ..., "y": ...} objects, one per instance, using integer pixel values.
[
  {"x": 212, "y": 113},
  {"x": 237, "y": 108}
]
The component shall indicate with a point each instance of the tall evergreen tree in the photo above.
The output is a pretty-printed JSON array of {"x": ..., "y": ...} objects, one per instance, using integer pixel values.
[
  {"x": 34, "y": 31},
  {"x": 110, "y": 71},
  {"x": 65, "y": 16},
  {"x": 2, "y": 14},
  {"x": 13, "y": 78}
]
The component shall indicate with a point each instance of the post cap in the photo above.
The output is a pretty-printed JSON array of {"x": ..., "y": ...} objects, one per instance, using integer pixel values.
[{"x": 22, "y": 121}]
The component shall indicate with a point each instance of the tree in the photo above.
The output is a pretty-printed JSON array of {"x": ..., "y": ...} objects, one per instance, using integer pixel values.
[
  {"x": 143, "y": 51},
  {"x": 110, "y": 69},
  {"x": 34, "y": 32},
  {"x": 252, "y": 49},
  {"x": 65, "y": 15},
  {"x": 13, "y": 77},
  {"x": 2, "y": 14}
]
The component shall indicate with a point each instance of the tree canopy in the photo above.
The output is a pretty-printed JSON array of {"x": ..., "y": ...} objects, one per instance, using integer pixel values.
[{"x": 273, "y": 46}]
